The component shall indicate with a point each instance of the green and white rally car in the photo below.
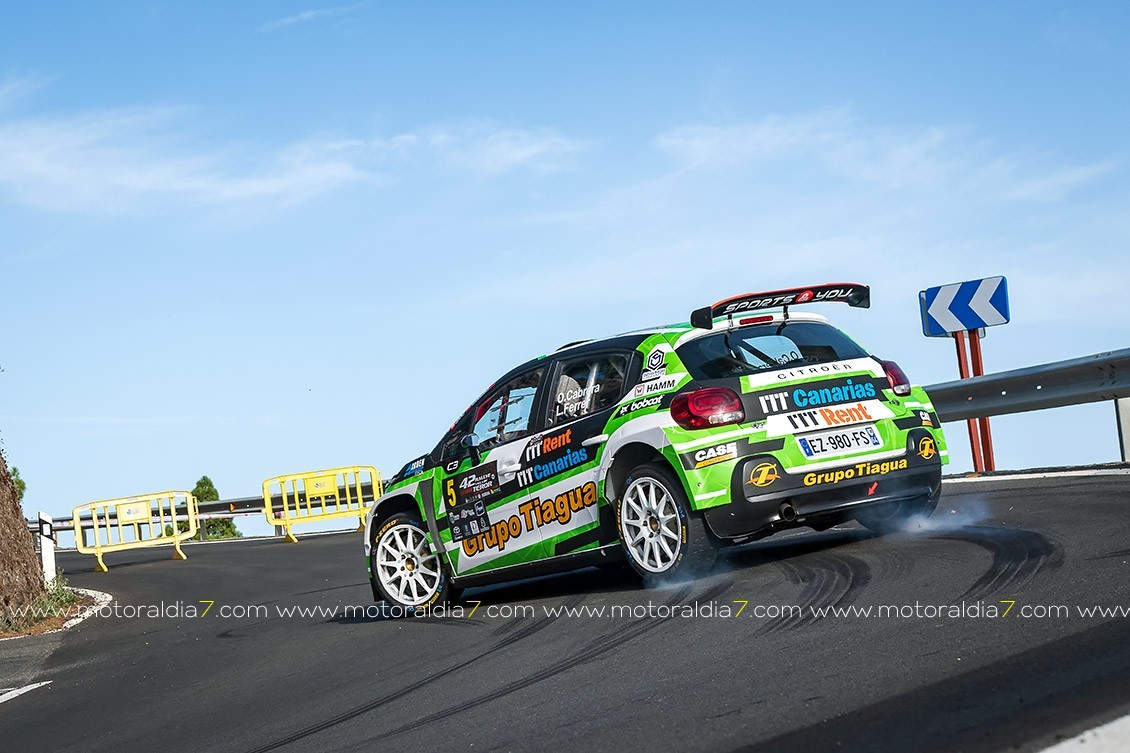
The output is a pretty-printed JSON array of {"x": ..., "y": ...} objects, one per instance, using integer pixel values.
[{"x": 658, "y": 447}]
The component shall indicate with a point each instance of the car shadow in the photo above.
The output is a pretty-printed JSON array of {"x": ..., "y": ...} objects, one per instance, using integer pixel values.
[
  {"x": 621, "y": 579},
  {"x": 769, "y": 550}
]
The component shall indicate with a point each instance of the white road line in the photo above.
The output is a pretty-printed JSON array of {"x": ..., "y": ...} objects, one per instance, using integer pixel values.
[
  {"x": 1049, "y": 474},
  {"x": 1109, "y": 738},
  {"x": 20, "y": 691},
  {"x": 101, "y": 599}
]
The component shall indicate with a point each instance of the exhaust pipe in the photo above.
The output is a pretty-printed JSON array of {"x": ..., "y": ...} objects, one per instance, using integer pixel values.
[{"x": 786, "y": 511}]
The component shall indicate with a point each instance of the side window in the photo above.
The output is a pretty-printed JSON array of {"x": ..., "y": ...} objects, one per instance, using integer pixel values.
[
  {"x": 505, "y": 413},
  {"x": 587, "y": 385}
]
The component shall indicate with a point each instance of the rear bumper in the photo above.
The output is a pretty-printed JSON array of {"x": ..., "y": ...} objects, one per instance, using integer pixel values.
[{"x": 765, "y": 499}]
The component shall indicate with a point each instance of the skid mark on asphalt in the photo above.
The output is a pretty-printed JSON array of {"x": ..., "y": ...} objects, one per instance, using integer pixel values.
[
  {"x": 826, "y": 580},
  {"x": 527, "y": 630},
  {"x": 246, "y": 630},
  {"x": 315, "y": 591},
  {"x": 597, "y": 647},
  {"x": 509, "y": 626},
  {"x": 361, "y": 617},
  {"x": 1019, "y": 555},
  {"x": 894, "y": 559},
  {"x": 1111, "y": 555}
]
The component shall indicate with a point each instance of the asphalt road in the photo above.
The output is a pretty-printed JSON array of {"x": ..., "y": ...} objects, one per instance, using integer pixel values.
[{"x": 794, "y": 682}]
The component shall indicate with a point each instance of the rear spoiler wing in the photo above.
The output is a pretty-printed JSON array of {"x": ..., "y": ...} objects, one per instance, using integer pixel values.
[{"x": 851, "y": 293}]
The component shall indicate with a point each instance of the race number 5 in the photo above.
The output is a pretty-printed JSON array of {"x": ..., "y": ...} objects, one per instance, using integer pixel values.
[{"x": 449, "y": 493}]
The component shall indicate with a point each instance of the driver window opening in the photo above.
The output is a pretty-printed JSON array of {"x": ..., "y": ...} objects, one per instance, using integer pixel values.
[
  {"x": 587, "y": 385},
  {"x": 505, "y": 415}
]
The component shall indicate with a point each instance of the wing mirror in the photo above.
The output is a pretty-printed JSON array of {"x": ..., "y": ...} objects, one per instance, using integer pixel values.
[{"x": 471, "y": 443}]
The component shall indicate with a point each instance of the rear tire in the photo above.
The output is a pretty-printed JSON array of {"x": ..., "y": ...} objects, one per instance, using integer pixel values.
[
  {"x": 662, "y": 538},
  {"x": 406, "y": 570}
]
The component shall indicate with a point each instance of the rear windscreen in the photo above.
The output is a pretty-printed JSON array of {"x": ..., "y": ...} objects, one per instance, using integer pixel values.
[{"x": 766, "y": 347}]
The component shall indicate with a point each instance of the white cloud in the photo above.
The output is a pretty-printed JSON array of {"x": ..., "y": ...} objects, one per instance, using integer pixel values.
[
  {"x": 480, "y": 147},
  {"x": 122, "y": 160},
  {"x": 127, "y": 160},
  {"x": 832, "y": 139},
  {"x": 1057, "y": 184},
  {"x": 769, "y": 137},
  {"x": 14, "y": 89},
  {"x": 307, "y": 16},
  {"x": 837, "y": 142},
  {"x": 493, "y": 151},
  {"x": 397, "y": 147}
]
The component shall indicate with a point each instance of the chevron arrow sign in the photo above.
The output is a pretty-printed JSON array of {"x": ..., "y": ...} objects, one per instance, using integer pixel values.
[{"x": 964, "y": 305}]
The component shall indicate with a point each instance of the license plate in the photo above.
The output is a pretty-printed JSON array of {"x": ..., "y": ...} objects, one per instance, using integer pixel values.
[{"x": 840, "y": 441}]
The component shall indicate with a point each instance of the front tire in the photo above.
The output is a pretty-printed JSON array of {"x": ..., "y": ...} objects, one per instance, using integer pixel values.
[
  {"x": 662, "y": 538},
  {"x": 406, "y": 570}
]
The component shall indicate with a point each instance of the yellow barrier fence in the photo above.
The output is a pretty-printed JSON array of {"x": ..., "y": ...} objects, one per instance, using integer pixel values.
[
  {"x": 135, "y": 522},
  {"x": 320, "y": 495}
]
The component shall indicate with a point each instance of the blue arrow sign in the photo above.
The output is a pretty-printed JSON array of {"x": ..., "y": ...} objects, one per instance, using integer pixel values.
[{"x": 964, "y": 305}]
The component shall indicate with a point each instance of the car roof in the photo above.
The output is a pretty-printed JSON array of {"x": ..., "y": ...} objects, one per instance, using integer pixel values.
[
  {"x": 627, "y": 341},
  {"x": 678, "y": 334}
]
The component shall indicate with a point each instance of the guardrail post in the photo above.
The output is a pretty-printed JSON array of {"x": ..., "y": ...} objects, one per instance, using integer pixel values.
[
  {"x": 974, "y": 430},
  {"x": 1122, "y": 415},
  {"x": 979, "y": 370},
  {"x": 47, "y": 546}
]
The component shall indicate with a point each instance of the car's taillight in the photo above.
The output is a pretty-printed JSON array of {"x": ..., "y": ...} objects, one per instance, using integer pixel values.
[
  {"x": 896, "y": 377},
  {"x": 711, "y": 406}
]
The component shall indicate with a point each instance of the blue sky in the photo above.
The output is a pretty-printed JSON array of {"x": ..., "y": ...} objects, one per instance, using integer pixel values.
[{"x": 249, "y": 239}]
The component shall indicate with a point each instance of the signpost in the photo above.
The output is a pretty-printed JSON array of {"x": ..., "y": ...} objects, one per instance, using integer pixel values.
[{"x": 960, "y": 309}]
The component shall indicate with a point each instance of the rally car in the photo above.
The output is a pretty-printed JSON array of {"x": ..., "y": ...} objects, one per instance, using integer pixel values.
[{"x": 659, "y": 446}]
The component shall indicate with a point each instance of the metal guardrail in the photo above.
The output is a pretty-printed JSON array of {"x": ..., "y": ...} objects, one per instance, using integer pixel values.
[{"x": 1090, "y": 379}]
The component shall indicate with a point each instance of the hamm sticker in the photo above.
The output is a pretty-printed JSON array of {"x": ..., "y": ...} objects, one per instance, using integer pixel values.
[{"x": 657, "y": 385}]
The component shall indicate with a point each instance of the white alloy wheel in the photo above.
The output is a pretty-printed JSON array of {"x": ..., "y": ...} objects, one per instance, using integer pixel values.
[
  {"x": 650, "y": 525},
  {"x": 408, "y": 569}
]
